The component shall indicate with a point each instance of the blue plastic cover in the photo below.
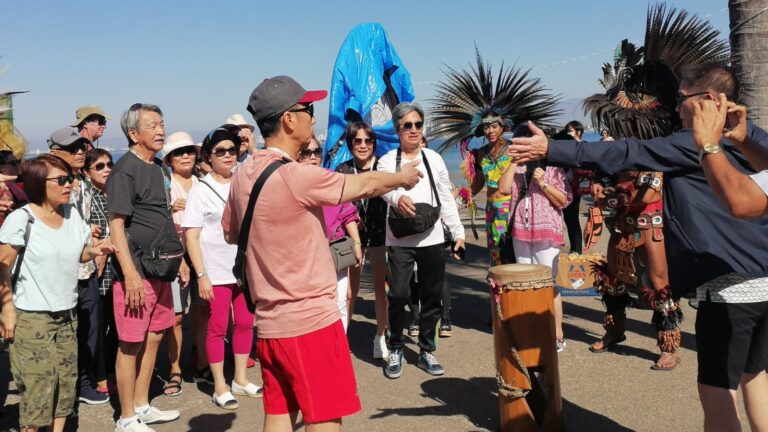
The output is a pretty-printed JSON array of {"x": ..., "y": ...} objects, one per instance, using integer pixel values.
[{"x": 358, "y": 84}]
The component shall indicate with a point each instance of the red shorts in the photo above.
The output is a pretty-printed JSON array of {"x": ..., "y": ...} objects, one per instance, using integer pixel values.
[
  {"x": 156, "y": 315},
  {"x": 312, "y": 373}
]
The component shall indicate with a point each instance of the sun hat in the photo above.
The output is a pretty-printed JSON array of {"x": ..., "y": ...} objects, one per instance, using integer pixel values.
[
  {"x": 65, "y": 137},
  {"x": 178, "y": 140},
  {"x": 86, "y": 111},
  {"x": 277, "y": 94},
  {"x": 238, "y": 120}
]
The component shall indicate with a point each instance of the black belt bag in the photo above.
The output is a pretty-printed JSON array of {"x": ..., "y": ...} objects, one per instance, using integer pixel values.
[
  {"x": 401, "y": 225},
  {"x": 163, "y": 257}
]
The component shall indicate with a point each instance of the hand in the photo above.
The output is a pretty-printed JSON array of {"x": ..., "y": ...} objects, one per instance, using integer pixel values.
[
  {"x": 184, "y": 274},
  {"x": 737, "y": 120},
  {"x": 538, "y": 175},
  {"x": 598, "y": 191},
  {"x": 406, "y": 206},
  {"x": 205, "y": 288},
  {"x": 410, "y": 175},
  {"x": 358, "y": 254},
  {"x": 457, "y": 245},
  {"x": 709, "y": 120},
  {"x": 8, "y": 322},
  {"x": 179, "y": 204},
  {"x": 103, "y": 247},
  {"x": 134, "y": 291},
  {"x": 95, "y": 231},
  {"x": 524, "y": 149}
]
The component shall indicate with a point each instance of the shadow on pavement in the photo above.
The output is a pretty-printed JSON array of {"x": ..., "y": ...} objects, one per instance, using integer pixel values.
[
  {"x": 580, "y": 419},
  {"x": 212, "y": 422}
]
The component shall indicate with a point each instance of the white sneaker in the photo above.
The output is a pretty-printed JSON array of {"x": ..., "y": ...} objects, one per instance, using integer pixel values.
[
  {"x": 250, "y": 390},
  {"x": 155, "y": 415},
  {"x": 380, "y": 349},
  {"x": 135, "y": 426}
]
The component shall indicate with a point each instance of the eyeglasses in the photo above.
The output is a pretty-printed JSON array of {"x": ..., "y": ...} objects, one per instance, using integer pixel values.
[
  {"x": 101, "y": 165},
  {"x": 367, "y": 141},
  {"x": 62, "y": 180},
  {"x": 100, "y": 120},
  {"x": 73, "y": 148},
  {"x": 307, "y": 153},
  {"x": 309, "y": 109},
  {"x": 221, "y": 151},
  {"x": 409, "y": 125},
  {"x": 188, "y": 150},
  {"x": 681, "y": 97}
]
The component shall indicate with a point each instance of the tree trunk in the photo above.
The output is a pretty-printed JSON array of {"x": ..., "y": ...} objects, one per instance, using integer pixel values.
[{"x": 749, "y": 55}]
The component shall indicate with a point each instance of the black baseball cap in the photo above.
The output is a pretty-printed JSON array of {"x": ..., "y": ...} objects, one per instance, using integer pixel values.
[{"x": 277, "y": 94}]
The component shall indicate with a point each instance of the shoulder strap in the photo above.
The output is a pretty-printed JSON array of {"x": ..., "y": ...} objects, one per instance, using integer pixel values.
[
  {"x": 242, "y": 241},
  {"x": 214, "y": 191},
  {"x": 398, "y": 160},
  {"x": 23, "y": 249}
]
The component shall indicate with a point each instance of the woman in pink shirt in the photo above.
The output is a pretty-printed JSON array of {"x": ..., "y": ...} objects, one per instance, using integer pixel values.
[{"x": 539, "y": 194}]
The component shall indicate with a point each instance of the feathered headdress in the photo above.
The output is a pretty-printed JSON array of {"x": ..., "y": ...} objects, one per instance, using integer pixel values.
[
  {"x": 467, "y": 96},
  {"x": 641, "y": 86}
]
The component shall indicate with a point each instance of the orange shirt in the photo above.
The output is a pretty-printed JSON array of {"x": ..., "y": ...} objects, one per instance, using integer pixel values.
[{"x": 289, "y": 265}]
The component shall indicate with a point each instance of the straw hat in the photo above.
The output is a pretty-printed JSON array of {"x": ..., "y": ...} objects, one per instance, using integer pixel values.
[
  {"x": 85, "y": 111},
  {"x": 238, "y": 120}
]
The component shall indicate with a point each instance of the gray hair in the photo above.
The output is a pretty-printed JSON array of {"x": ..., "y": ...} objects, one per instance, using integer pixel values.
[
  {"x": 131, "y": 118},
  {"x": 403, "y": 109}
]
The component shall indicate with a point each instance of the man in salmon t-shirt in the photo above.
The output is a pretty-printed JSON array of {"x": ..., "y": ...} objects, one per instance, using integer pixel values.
[{"x": 305, "y": 362}]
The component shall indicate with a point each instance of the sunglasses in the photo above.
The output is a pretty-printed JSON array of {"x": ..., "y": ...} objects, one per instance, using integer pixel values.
[
  {"x": 307, "y": 153},
  {"x": 681, "y": 98},
  {"x": 409, "y": 125},
  {"x": 101, "y": 121},
  {"x": 62, "y": 180},
  {"x": 367, "y": 141},
  {"x": 101, "y": 165},
  {"x": 188, "y": 150},
  {"x": 221, "y": 151},
  {"x": 309, "y": 109},
  {"x": 74, "y": 148}
]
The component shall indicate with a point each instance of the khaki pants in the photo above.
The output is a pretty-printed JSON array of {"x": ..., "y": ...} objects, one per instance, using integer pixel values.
[{"x": 44, "y": 365}]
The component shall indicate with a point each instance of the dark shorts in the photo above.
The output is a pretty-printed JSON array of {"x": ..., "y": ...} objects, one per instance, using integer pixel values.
[
  {"x": 731, "y": 340},
  {"x": 311, "y": 373}
]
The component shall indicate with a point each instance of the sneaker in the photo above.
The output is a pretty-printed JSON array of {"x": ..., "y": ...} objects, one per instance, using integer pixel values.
[
  {"x": 380, "y": 349},
  {"x": 560, "y": 344},
  {"x": 429, "y": 363},
  {"x": 413, "y": 329},
  {"x": 90, "y": 396},
  {"x": 445, "y": 328},
  {"x": 225, "y": 401},
  {"x": 694, "y": 303},
  {"x": 155, "y": 415},
  {"x": 394, "y": 366},
  {"x": 134, "y": 426},
  {"x": 250, "y": 390}
]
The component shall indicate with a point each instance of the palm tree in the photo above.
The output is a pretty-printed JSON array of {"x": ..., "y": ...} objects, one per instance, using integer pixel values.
[{"x": 749, "y": 45}]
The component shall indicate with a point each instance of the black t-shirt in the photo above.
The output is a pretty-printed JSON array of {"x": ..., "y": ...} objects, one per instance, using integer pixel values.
[
  {"x": 140, "y": 191},
  {"x": 372, "y": 211}
]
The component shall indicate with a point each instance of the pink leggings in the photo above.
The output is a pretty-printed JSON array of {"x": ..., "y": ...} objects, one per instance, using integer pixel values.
[{"x": 218, "y": 321}]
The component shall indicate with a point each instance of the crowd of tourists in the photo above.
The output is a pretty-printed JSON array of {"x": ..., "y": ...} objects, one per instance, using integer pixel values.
[{"x": 103, "y": 260}]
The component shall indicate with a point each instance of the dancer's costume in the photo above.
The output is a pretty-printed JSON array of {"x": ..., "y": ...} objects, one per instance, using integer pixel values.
[
  {"x": 640, "y": 101},
  {"x": 469, "y": 100}
]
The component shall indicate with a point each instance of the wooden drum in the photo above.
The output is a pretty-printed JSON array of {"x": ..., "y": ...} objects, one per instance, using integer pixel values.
[{"x": 522, "y": 310}]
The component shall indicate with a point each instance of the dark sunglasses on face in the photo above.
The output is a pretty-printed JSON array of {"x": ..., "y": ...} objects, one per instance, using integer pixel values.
[
  {"x": 101, "y": 165},
  {"x": 307, "y": 153},
  {"x": 101, "y": 121},
  {"x": 367, "y": 141},
  {"x": 62, "y": 180},
  {"x": 221, "y": 151},
  {"x": 409, "y": 125},
  {"x": 74, "y": 148},
  {"x": 309, "y": 109},
  {"x": 179, "y": 152},
  {"x": 681, "y": 98}
]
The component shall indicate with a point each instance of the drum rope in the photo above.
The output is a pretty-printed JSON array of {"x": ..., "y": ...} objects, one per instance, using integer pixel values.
[{"x": 506, "y": 389}]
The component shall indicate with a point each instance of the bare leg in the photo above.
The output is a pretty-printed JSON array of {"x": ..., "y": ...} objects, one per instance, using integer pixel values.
[
  {"x": 354, "y": 289},
  {"x": 174, "y": 339},
  {"x": 58, "y": 424},
  {"x": 379, "y": 273},
  {"x": 329, "y": 426},
  {"x": 280, "y": 423},
  {"x": 755, "y": 390},
  {"x": 219, "y": 382},
  {"x": 146, "y": 367},
  {"x": 719, "y": 404},
  {"x": 241, "y": 363},
  {"x": 558, "y": 315},
  {"x": 125, "y": 372}
]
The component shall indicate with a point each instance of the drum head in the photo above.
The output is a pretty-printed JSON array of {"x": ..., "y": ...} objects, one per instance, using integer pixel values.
[{"x": 520, "y": 273}]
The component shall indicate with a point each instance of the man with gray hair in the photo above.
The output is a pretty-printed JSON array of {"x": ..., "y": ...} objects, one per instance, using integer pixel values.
[{"x": 150, "y": 253}]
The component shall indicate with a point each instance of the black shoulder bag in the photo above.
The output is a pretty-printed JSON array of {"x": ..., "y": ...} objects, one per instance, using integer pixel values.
[
  {"x": 427, "y": 215},
  {"x": 245, "y": 229}
]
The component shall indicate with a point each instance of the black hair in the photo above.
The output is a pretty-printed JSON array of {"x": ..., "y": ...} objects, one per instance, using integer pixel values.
[
  {"x": 269, "y": 125},
  {"x": 351, "y": 133},
  {"x": 93, "y": 155},
  {"x": 225, "y": 132}
]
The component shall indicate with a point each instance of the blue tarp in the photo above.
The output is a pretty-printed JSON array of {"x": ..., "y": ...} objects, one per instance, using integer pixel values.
[{"x": 358, "y": 83}]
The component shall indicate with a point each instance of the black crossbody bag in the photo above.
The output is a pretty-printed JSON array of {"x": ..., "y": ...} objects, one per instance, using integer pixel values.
[
  {"x": 245, "y": 229},
  {"x": 427, "y": 215}
]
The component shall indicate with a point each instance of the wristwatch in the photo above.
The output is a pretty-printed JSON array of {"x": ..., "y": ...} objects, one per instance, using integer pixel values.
[
  {"x": 201, "y": 274},
  {"x": 709, "y": 149}
]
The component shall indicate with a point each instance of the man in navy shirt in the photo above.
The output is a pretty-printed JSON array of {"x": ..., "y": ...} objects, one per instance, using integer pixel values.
[{"x": 723, "y": 258}]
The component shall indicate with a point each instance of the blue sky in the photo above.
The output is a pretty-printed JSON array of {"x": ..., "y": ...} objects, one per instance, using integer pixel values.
[{"x": 200, "y": 60}]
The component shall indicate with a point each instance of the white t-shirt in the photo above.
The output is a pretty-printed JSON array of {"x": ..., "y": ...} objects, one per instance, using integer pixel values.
[
  {"x": 203, "y": 210},
  {"x": 48, "y": 277}
]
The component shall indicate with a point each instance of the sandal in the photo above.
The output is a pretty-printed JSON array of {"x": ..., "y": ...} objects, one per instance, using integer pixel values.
[
  {"x": 204, "y": 375},
  {"x": 606, "y": 345},
  {"x": 172, "y": 387},
  {"x": 225, "y": 401},
  {"x": 659, "y": 367}
]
